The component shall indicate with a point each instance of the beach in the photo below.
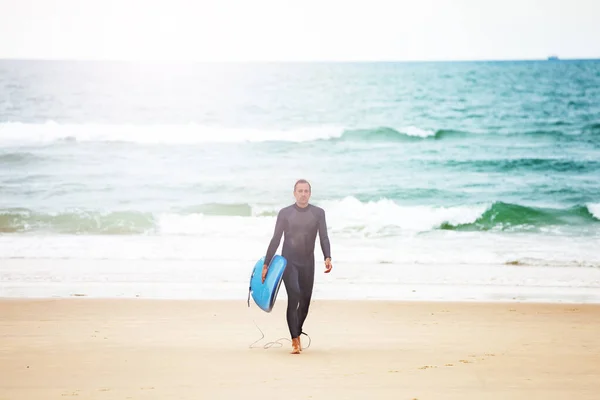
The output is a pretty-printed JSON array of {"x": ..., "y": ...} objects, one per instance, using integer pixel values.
[
  {"x": 191, "y": 349},
  {"x": 462, "y": 206}
]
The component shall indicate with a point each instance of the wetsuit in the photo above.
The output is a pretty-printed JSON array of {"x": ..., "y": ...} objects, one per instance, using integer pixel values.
[{"x": 300, "y": 226}]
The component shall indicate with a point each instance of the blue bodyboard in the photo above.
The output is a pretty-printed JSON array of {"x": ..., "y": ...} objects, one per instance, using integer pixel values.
[{"x": 264, "y": 294}]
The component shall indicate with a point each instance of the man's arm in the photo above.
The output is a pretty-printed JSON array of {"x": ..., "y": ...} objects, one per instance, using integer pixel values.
[
  {"x": 324, "y": 237},
  {"x": 276, "y": 239}
]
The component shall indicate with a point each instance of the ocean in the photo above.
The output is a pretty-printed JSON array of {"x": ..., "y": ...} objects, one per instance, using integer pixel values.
[{"x": 440, "y": 180}]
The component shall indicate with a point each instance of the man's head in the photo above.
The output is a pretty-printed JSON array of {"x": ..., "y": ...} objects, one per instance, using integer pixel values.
[{"x": 302, "y": 191}]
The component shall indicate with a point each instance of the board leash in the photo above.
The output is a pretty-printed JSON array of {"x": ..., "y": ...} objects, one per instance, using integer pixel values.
[{"x": 275, "y": 342}]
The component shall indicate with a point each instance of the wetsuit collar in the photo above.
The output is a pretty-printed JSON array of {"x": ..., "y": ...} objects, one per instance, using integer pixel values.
[{"x": 297, "y": 207}]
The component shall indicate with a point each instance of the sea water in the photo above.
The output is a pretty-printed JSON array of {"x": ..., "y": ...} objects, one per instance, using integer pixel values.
[{"x": 449, "y": 180}]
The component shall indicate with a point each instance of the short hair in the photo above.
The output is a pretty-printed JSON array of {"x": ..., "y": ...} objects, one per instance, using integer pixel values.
[{"x": 302, "y": 181}]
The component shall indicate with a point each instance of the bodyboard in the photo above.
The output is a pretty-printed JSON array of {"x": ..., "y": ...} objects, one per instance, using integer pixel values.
[{"x": 265, "y": 294}]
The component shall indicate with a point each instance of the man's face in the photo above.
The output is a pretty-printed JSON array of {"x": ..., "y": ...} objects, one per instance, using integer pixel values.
[{"x": 302, "y": 194}]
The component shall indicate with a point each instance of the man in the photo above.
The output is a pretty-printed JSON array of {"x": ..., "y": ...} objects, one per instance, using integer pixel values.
[{"x": 300, "y": 223}]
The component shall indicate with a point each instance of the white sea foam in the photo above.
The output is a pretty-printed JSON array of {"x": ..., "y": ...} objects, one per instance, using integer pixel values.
[
  {"x": 246, "y": 245},
  {"x": 594, "y": 208},
  {"x": 415, "y": 131},
  {"x": 375, "y": 217}
]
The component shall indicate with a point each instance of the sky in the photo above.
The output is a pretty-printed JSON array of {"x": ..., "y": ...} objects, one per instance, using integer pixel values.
[{"x": 307, "y": 30}]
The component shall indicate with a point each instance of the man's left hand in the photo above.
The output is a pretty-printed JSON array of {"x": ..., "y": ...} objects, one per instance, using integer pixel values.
[{"x": 328, "y": 265}]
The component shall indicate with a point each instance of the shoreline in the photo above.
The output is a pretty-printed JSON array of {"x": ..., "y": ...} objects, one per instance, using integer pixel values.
[{"x": 197, "y": 280}]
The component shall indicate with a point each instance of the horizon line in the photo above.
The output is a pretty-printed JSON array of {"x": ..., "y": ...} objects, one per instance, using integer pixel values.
[{"x": 299, "y": 61}]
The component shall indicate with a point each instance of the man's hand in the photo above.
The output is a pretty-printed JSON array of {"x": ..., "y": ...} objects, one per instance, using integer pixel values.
[
  {"x": 328, "y": 265},
  {"x": 264, "y": 272}
]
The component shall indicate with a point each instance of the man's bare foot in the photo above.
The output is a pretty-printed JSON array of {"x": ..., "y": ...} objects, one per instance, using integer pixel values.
[{"x": 295, "y": 346}]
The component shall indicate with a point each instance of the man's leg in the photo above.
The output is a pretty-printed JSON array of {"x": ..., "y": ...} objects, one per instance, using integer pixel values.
[
  {"x": 292, "y": 287},
  {"x": 306, "y": 279}
]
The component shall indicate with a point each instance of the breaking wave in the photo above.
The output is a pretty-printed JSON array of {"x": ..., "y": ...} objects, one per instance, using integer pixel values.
[
  {"x": 50, "y": 132},
  {"x": 345, "y": 216}
]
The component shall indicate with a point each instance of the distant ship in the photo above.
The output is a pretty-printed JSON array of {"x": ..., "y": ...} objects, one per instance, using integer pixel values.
[{"x": 553, "y": 58}]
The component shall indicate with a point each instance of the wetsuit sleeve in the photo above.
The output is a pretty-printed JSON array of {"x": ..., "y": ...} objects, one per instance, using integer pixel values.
[
  {"x": 323, "y": 236},
  {"x": 276, "y": 239}
]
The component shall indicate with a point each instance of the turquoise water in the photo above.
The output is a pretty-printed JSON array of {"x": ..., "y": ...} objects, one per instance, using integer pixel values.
[{"x": 471, "y": 163}]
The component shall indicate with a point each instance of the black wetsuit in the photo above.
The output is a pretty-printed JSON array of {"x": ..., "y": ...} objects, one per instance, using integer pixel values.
[{"x": 300, "y": 226}]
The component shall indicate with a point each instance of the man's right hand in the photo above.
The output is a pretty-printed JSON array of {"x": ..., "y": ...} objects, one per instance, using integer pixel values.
[{"x": 264, "y": 272}]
